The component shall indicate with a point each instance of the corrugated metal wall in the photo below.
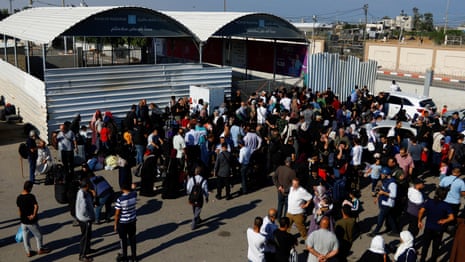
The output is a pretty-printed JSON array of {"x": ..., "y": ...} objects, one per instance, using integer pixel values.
[
  {"x": 328, "y": 70},
  {"x": 83, "y": 90},
  {"x": 27, "y": 93}
]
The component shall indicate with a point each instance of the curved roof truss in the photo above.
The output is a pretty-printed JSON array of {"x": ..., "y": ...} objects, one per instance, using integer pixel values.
[{"x": 43, "y": 24}]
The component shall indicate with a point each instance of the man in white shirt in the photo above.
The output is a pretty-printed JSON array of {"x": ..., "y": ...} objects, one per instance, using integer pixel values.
[
  {"x": 394, "y": 86},
  {"x": 244, "y": 158},
  {"x": 298, "y": 201},
  {"x": 256, "y": 242},
  {"x": 262, "y": 97},
  {"x": 180, "y": 145},
  {"x": 356, "y": 154},
  {"x": 285, "y": 102},
  {"x": 261, "y": 113},
  {"x": 251, "y": 139}
]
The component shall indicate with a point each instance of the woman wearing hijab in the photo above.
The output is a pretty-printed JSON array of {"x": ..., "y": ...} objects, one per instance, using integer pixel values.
[
  {"x": 322, "y": 207},
  {"x": 376, "y": 251},
  {"x": 406, "y": 252}
]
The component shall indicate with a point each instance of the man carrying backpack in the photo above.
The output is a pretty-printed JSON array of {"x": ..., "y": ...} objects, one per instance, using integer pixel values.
[{"x": 197, "y": 188}]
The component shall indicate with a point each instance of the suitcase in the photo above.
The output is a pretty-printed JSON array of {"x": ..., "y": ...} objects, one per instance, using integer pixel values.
[{"x": 60, "y": 193}]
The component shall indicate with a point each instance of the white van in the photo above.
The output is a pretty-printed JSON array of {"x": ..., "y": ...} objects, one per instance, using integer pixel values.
[{"x": 413, "y": 104}]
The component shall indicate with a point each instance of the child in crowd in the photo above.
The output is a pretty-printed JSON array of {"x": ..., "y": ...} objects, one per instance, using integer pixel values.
[
  {"x": 353, "y": 202},
  {"x": 443, "y": 169},
  {"x": 374, "y": 172}
]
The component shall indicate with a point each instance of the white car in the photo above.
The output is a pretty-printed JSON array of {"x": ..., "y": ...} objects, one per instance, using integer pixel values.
[
  {"x": 413, "y": 104},
  {"x": 386, "y": 128}
]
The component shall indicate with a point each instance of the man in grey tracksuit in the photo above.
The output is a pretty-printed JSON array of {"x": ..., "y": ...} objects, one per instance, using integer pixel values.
[{"x": 86, "y": 216}]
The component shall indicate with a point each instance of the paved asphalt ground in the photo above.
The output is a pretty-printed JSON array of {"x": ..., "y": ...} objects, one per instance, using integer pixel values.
[{"x": 163, "y": 226}]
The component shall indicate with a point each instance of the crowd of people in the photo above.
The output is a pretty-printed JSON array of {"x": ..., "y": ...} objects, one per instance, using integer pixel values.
[{"x": 312, "y": 144}]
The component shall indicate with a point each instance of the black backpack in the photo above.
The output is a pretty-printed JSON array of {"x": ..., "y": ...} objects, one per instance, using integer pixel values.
[
  {"x": 196, "y": 195},
  {"x": 23, "y": 150}
]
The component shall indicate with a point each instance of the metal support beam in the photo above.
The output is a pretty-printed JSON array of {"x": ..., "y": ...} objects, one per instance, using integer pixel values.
[
  {"x": 74, "y": 52},
  {"x": 245, "y": 48},
  {"x": 274, "y": 61},
  {"x": 84, "y": 52},
  {"x": 27, "y": 58},
  {"x": 44, "y": 58},
  {"x": 5, "y": 48},
  {"x": 16, "y": 56},
  {"x": 200, "y": 52},
  {"x": 365, "y": 9},
  {"x": 154, "y": 43},
  {"x": 65, "y": 45}
]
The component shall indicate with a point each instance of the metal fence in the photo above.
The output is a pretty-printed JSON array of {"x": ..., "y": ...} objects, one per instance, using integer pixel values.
[
  {"x": 328, "y": 70},
  {"x": 116, "y": 88},
  {"x": 112, "y": 57}
]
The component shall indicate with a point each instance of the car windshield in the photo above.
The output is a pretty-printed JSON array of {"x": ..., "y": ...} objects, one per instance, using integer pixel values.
[{"x": 428, "y": 102}]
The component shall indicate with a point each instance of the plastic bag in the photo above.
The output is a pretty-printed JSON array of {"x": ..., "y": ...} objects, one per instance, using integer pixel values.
[
  {"x": 111, "y": 162},
  {"x": 19, "y": 235}
]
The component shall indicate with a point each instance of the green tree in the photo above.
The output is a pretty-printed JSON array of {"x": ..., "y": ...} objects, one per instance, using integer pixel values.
[
  {"x": 416, "y": 19},
  {"x": 427, "y": 23}
]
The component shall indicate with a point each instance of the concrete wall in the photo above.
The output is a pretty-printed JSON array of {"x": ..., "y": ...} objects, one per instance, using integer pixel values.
[
  {"x": 450, "y": 62},
  {"x": 386, "y": 56},
  {"x": 410, "y": 59},
  {"x": 453, "y": 98},
  {"x": 415, "y": 59}
]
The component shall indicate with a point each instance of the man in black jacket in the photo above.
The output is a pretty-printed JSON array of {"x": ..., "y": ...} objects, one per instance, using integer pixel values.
[{"x": 222, "y": 171}]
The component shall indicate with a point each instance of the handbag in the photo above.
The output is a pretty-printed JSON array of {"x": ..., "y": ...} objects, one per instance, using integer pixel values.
[{"x": 19, "y": 235}]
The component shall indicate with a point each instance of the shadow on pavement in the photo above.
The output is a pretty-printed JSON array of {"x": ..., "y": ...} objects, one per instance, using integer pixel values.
[
  {"x": 11, "y": 134},
  {"x": 8, "y": 240},
  {"x": 207, "y": 226},
  {"x": 14, "y": 222},
  {"x": 53, "y": 212},
  {"x": 156, "y": 232},
  {"x": 62, "y": 248},
  {"x": 150, "y": 207},
  {"x": 366, "y": 224}
]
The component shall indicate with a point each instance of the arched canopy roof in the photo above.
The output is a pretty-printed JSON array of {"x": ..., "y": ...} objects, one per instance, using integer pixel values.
[
  {"x": 43, "y": 24},
  {"x": 254, "y": 25}
]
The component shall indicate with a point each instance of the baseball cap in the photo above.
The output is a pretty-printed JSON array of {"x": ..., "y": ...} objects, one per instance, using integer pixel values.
[{"x": 386, "y": 170}]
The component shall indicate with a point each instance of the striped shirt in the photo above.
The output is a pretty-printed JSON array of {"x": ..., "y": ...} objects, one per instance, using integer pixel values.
[{"x": 127, "y": 204}]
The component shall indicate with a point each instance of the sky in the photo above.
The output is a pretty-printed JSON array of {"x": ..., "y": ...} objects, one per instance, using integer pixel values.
[{"x": 295, "y": 10}]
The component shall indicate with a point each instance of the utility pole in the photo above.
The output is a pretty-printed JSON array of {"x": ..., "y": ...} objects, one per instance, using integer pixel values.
[
  {"x": 446, "y": 17},
  {"x": 63, "y": 3},
  {"x": 224, "y": 5},
  {"x": 11, "y": 7},
  {"x": 313, "y": 33},
  {"x": 365, "y": 9}
]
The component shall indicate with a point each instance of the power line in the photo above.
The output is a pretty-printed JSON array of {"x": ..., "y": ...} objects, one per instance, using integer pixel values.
[{"x": 45, "y": 3}]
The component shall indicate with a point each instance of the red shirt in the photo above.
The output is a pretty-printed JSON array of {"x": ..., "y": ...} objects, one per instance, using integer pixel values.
[
  {"x": 336, "y": 104},
  {"x": 184, "y": 122},
  {"x": 445, "y": 151},
  {"x": 104, "y": 134}
]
